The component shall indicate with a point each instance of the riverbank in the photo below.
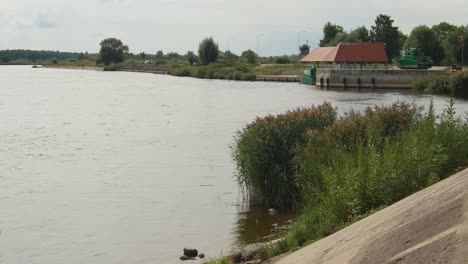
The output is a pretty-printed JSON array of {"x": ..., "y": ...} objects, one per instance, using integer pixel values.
[{"x": 88, "y": 68}]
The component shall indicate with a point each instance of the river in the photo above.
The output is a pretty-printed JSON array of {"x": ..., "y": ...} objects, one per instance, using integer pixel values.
[{"x": 116, "y": 167}]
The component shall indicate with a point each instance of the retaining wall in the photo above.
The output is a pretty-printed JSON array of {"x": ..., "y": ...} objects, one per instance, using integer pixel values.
[{"x": 373, "y": 79}]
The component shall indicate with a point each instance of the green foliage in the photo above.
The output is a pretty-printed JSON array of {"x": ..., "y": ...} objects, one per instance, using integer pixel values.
[
  {"x": 304, "y": 50},
  {"x": 192, "y": 58},
  {"x": 360, "y": 34},
  {"x": 159, "y": 54},
  {"x": 385, "y": 32},
  {"x": 240, "y": 72},
  {"x": 112, "y": 67},
  {"x": 208, "y": 51},
  {"x": 454, "y": 85},
  {"x": 460, "y": 84},
  {"x": 424, "y": 38},
  {"x": 112, "y": 51},
  {"x": 329, "y": 33},
  {"x": 250, "y": 57},
  {"x": 34, "y": 56},
  {"x": 453, "y": 46},
  {"x": 264, "y": 151},
  {"x": 442, "y": 30},
  {"x": 221, "y": 260},
  {"x": 282, "y": 60},
  {"x": 366, "y": 161}
]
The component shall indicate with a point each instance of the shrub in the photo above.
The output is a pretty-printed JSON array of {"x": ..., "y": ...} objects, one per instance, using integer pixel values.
[
  {"x": 460, "y": 84},
  {"x": 112, "y": 67},
  {"x": 208, "y": 51},
  {"x": 264, "y": 151},
  {"x": 282, "y": 60}
]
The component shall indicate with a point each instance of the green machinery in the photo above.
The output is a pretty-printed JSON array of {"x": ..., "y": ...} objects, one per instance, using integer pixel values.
[
  {"x": 413, "y": 59},
  {"x": 309, "y": 76}
]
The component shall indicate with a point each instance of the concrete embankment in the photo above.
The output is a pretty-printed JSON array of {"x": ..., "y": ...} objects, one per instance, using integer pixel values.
[
  {"x": 430, "y": 226},
  {"x": 373, "y": 79}
]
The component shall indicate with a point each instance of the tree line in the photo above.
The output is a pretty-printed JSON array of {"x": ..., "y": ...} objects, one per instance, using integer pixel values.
[
  {"x": 9, "y": 56},
  {"x": 443, "y": 42}
]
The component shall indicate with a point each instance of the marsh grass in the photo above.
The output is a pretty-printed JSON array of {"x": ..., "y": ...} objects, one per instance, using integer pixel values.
[
  {"x": 264, "y": 151},
  {"x": 353, "y": 166},
  {"x": 220, "y": 260}
]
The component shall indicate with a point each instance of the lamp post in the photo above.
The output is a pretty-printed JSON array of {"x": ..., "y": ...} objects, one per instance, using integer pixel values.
[
  {"x": 258, "y": 50},
  {"x": 462, "y": 39}
]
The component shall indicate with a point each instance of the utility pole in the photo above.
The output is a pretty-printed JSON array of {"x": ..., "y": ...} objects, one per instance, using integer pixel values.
[{"x": 258, "y": 50}]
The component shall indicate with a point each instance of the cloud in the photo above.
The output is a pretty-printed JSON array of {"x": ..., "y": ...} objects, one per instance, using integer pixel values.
[{"x": 44, "y": 22}]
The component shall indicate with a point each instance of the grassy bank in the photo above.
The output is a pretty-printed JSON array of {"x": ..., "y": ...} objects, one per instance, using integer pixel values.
[
  {"x": 336, "y": 171},
  {"x": 222, "y": 71}
]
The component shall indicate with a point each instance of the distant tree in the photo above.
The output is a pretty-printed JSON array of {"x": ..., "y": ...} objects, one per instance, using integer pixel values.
[
  {"x": 142, "y": 55},
  {"x": 112, "y": 51},
  {"x": 360, "y": 34},
  {"x": 173, "y": 55},
  {"x": 329, "y": 33},
  {"x": 250, "y": 56},
  {"x": 159, "y": 54},
  {"x": 282, "y": 60},
  {"x": 453, "y": 45},
  {"x": 304, "y": 50},
  {"x": 208, "y": 51},
  {"x": 442, "y": 30},
  {"x": 82, "y": 56},
  {"x": 385, "y": 32},
  {"x": 229, "y": 56},
  {"x": 192, "y": 58},
  {"x": 340, "y": 37},
  {"x": 424, "y": 38}
]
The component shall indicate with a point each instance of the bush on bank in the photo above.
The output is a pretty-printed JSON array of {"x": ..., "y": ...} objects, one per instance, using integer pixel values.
[
  {"x": 454, "y": 85},
  {"x": 354, "y": 166},
  {"x": 239, "y": 72},
  {"x": 264, "y": 151}
]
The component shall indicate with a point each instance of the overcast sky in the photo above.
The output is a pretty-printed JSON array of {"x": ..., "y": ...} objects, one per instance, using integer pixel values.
[{"x": 179, "y": 25}]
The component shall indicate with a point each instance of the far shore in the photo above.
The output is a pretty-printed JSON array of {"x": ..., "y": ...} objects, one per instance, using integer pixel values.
[{"x": 89, "y": 68}]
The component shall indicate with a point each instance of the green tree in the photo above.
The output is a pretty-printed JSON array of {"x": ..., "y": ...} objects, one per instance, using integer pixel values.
[
  {"x": 159, "y": 54},
  {"x": 329, "y": 33},
  {"x": 453, "y": 45},
  {"x": 422, "y": 37},
  {"x": 360, "y": 34},
  {"x": 304, "y": 50},
  {"x": 250, "y": 56},
  {"x": 442, "y": 29},
  {"x": 142, "y": 55},
  {"x": 208, "y": 51},
  {"x": 385, "y": 32},
  {"x": 192, "y": 58},
  {"x": 112, "y": 51}
]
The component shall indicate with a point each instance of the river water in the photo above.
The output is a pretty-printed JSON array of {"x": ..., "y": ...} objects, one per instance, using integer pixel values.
[{"x": 110, "y": 168}]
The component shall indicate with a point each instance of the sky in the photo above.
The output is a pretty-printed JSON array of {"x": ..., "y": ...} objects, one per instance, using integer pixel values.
[{"x": 179, "y": 25}]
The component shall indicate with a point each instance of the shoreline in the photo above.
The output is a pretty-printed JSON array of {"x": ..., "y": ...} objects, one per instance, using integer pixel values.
[{"x": 87, "y": 68}]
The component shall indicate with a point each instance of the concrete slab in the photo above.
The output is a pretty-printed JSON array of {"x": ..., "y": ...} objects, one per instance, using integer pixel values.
[{"x": 430, "y": 226}]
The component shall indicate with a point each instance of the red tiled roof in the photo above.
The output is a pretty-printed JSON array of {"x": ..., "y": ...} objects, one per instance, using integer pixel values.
[
  {"x": 349, "y": 52},
  {"x": 317, "y": 54}
]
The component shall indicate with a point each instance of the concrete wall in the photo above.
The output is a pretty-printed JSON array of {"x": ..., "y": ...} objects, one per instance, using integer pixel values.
[{"x": 374, "y": 79}]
